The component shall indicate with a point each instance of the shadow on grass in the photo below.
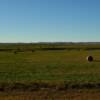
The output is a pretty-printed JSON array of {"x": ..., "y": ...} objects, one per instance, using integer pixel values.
[{"x": 96, "y": 60}]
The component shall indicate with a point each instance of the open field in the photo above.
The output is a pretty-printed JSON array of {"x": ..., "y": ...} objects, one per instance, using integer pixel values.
[
  {"x": 35, "y": 68},
  {"x": 49, "y": 65}
]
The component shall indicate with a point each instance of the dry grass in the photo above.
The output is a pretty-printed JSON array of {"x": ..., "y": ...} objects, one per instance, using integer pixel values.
[{"x": 53, "y": 95}]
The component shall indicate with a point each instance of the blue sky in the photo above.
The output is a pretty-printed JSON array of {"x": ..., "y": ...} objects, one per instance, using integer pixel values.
[{"x": 49, "y": 20}]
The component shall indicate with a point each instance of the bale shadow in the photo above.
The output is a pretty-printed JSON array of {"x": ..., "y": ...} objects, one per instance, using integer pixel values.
[{"x": 96, "y": 60}]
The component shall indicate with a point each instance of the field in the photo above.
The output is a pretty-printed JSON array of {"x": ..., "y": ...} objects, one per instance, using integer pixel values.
[{"x": 49, "y": 70}]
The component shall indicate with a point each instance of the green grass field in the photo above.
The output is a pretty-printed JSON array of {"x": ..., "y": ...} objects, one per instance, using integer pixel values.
[
  {"x": 49, "y": 72},
  {"x": 50, "y": 66}
]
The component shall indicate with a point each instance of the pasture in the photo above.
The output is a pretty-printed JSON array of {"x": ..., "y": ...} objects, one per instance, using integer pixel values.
[
  {"x": 39, "y": 66},
  {"x": 49, "y": 65}
]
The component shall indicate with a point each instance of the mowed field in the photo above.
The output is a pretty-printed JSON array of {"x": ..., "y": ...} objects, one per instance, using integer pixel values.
[{"x": 49, "y": 74}]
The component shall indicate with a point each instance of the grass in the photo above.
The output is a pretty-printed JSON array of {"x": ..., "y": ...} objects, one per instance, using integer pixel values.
[
  {"x": 50, "y": 73},
  {"x": 69, "y": 66},
  {"x": 52, "y": 95}
]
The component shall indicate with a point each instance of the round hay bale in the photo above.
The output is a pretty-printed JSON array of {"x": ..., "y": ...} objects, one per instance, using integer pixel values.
[
  {"x": 15, "y": 52},
  {"x": 89, "y": 58}
]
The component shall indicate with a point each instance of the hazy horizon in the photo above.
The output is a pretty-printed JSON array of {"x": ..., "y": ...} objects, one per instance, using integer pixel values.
[{"x": 49, "y": 21}]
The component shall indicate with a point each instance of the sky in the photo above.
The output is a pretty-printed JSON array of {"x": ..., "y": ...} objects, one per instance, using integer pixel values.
[{"x": 49, "y": 20}]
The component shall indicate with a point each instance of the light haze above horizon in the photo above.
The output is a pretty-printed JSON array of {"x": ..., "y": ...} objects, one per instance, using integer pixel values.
[{"x": 49, "y": 20}]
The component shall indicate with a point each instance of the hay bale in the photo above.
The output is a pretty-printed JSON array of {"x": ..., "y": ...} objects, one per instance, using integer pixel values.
[
  {"x": 89, "y": 58},
  {"x": 15, "y": 52},
  {"x": 33, "y": 50}
]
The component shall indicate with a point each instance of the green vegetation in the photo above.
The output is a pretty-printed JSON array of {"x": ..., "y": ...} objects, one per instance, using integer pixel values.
[{"x": 46, "y": 64}]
